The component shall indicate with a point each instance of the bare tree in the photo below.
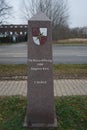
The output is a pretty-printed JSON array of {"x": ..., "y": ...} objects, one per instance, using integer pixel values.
[
  {"x": 56, "y": 10},
  {"x": 4, "y": 11}
]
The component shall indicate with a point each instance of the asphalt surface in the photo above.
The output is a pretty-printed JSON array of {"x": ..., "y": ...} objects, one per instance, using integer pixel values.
[{"x": 17, "y": 54}]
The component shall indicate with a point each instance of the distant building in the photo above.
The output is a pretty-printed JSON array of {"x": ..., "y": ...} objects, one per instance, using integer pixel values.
[
  {"x": 14, "y": 31},
  {"x": 85, "y": 31}
]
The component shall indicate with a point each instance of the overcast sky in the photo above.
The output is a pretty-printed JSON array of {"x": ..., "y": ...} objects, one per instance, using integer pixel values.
[{"x": 77, "y": 12}]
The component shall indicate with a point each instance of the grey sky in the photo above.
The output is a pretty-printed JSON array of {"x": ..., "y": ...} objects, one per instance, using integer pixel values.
[{"x": 77, "y": 12}]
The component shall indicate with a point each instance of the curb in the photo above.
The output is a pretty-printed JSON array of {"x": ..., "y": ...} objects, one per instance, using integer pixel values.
[
  {"x": 13, "y": 78},
  {"x": 25, "y": 77}
]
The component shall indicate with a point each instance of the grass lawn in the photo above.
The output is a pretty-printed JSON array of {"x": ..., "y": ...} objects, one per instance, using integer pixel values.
[
  {"x": 11, "y": 43},
  {"x": 71, "y": 112},
  {"x": 13, "y": 70},
  {"x": 59, "y": 70},
  {"x": 73, "y": 41},
  {"x": 70, "y": 71}
]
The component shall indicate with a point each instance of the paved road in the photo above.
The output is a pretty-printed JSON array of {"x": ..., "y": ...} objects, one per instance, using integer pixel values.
[{"x": 17, "y": 54}]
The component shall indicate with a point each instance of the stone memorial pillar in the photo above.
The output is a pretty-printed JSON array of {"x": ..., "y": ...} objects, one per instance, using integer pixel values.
[{"x": 40, "y": 92}]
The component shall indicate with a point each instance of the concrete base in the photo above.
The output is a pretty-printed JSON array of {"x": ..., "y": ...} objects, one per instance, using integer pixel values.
[{"x": 40, "y": 125}]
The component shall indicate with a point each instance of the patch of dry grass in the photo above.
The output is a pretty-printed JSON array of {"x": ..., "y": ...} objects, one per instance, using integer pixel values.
[
  {"x": 59, "y": 70},
  {"x": 72, "y": 41}
]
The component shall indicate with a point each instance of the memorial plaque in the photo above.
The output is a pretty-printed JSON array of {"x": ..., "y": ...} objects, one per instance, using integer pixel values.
[{"x": 40, "y": 92}]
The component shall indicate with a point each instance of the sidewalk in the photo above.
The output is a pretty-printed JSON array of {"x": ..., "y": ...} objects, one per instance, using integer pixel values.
[{"x": 62, "y": 87}]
